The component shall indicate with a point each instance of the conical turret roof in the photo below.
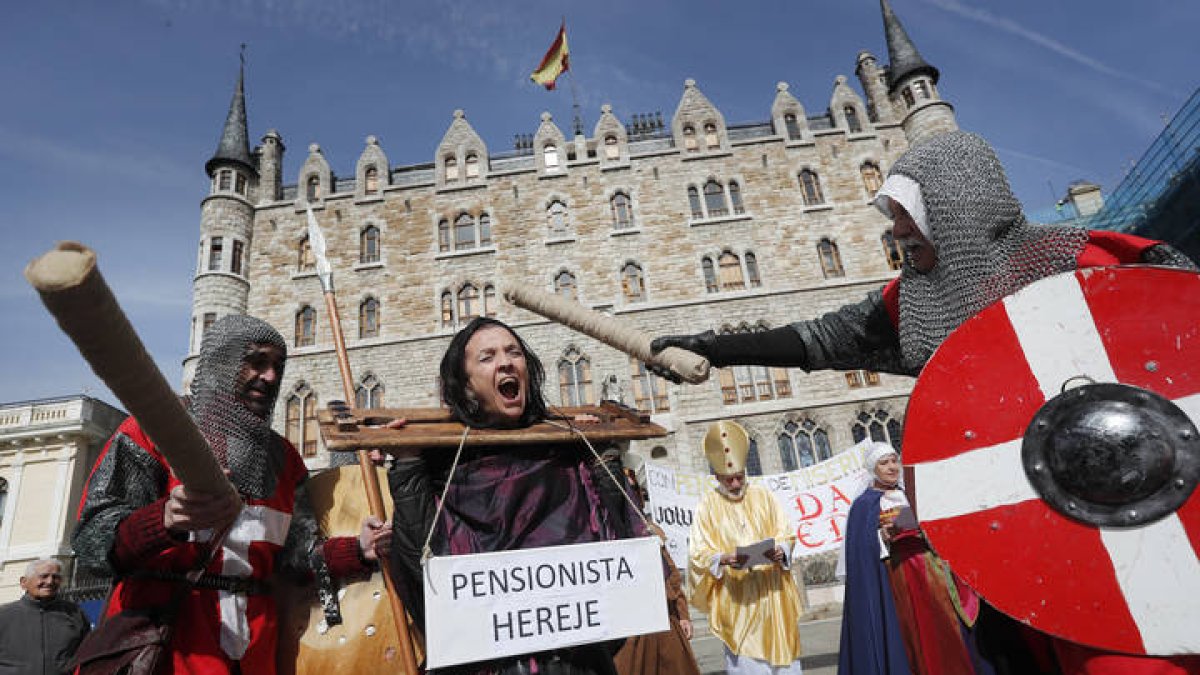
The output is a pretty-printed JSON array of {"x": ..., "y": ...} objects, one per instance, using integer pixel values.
[
  {"x": 904, "y": 59},
  {"x": 234, "y": 146}
]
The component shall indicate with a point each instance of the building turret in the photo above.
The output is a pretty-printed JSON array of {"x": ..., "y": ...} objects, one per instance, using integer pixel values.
[
  {"x": 912, "y": 83},
  {"x": 270, "y": 167},
  {"x": 226, "y": 228},
  {"x": 874, "y": 81}
]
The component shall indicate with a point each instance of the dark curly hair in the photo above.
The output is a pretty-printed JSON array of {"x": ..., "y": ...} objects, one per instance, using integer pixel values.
[{"x": 453, "y": 372}]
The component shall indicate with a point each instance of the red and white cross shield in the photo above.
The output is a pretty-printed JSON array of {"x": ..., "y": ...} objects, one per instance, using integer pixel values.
[{"x": 1037, "y": 490}]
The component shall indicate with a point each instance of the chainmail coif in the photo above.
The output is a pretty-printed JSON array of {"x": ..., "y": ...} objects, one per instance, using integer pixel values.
[
  {"x": 240, "y": 440},
  {"x": 985, "y": 247}
]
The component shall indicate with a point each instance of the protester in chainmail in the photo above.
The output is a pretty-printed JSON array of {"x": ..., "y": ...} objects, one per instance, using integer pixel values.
[
  {"x": 953, "y": 185},
  {"x": 138, "y": 524}
]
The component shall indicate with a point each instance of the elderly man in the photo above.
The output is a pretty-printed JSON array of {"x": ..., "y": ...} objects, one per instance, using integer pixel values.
[
  {"x": 138, "y": 523},
  {"x": 754, "y": 609},
  {"x": 967, "y": 244},
  {"x": 39, "y": 632}
]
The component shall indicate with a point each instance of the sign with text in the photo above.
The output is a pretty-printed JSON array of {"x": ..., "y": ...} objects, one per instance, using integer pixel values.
[{"x": 491, "y": 605}]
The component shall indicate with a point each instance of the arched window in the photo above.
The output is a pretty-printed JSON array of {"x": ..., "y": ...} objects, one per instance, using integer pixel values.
[
  {"x": 831, "y": 260},
  {"x": 306, "y": 261},
  {"x": 472, "y": 166},
  {"x": 752, "y": 270},
  {"x": 714, "y": 199},
  {"x": 564, "y": 285},
  {"x": 611, "y": 149},
  {"x": 447, "y": 309},
  {"x": 632, "y": 283},
  {"x": 293, "y": 411},
  {"x": 489, "y": 300},
  {"x": 216, "y": 248},
  {"x": 371, "y": 180},
  {"x": 735, "y": 198},
  {"x": 852, "y": 122},
  {"x": 856, "y": 379},
  {"x": 689, "y": 139},
  {"x": 803, "y": 444},
  {"x": 306, "y": 327},
  {"x": 622, "y": 211},
  {"x": 792, "y": 126},
  {"x": 368, "y": 318},
  {"x": 878, "y": 426},
  {"x": 711, "y": 140},
  {"x": 872, "y": 177},
  {"x": 468, "y": 303},
  {"x": 368, "y": 245},
  {"x": 743, "y": 384},
  {"x": 730, "y": 267},
  {"x": 710, "y": 275},
  {"x": 649, "y": 390},
  {"x": 556, "y": 219},
  {"x": 369, "y": 394},
  {"x": 300, "y": 426},
  {"x": 575, "y": 379},
  {"x": 753, "y": 462},
  {"x": 451, "y": 169},
  {"x": 464, "y": 232},
  {"x": 550, "y": 155},
  {"x": 694, "y": 202},
  {"x": 312, "y": 188},
  {"x": 443, "y": 235},
  {"x": 892, "y": 250},
  {"x": 485, "y": 230},
  {"x": 810, "y": 188}
]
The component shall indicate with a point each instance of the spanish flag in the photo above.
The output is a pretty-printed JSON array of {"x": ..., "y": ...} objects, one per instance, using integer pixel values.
[{"x": 555, "y": 62}]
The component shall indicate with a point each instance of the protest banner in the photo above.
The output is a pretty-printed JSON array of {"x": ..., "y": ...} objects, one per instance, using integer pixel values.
[{"x": 491, "y": 605}]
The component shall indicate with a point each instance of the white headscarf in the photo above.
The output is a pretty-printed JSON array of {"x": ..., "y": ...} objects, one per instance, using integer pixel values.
[
  {"x": 907, "y": 192},
  {"x": 873, "y": 451}
]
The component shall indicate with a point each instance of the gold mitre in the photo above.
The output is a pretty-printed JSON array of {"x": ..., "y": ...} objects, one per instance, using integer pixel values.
[{"x": 726, "y": 445}]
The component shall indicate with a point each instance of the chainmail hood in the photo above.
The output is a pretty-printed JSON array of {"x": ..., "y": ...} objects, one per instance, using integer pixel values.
[
  {"x": 985, "y": 247},
  {"x": 242, "y": 441}
]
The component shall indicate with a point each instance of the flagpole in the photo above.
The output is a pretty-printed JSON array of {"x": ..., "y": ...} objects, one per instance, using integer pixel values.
[{"x": 574, "y": 90}]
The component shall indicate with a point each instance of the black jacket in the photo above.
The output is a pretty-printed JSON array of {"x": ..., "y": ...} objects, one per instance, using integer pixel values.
[{"x": 40, "y": 638}]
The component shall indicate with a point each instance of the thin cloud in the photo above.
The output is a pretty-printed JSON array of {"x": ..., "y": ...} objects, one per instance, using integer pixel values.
[
  {"x": 58, "y": 154},
  {"x": 1042, "y": 160},
  {"x": 1012, "y": 27}
]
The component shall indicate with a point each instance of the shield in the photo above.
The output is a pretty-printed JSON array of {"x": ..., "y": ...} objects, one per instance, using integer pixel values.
[{"x": 1053, "y": 444}]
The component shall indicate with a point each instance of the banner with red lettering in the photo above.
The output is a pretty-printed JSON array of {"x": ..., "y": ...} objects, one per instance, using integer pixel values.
[{"x": 816, "y": 498}]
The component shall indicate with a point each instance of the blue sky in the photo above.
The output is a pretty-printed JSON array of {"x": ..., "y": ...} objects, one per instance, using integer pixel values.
[{"x": 111, "y": 109}]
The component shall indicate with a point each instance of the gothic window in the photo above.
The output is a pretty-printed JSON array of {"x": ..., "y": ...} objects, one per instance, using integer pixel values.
[
  {"x": 792, "y": 126},
  {"x": 550, "y": 154},
  {"x": 878, "y": 426},
  {"x": 908, "y": 97},
  {"x": 710, "y": 275},
  {"x": 489, "y": 300},
  {"x": 451, "y": 169},
  {"x": 735, "y": 198},
  {"x": 694, "y": 202},
  {"x": 564, "y": 285},
  {"x": 831, "y": 260},
  {"x": 306, "y": 327},
  {"x": 753, "y": 463},
  {"x": 216, "y": 249},
  {"x": 633, "y": 284},
  {"x": 464, "y": 232},
  {"x": 312, "y": 188},
  {"x": 743, "y": 384},
  {"x": 368, "y": 318},
  {"x": 291, "y": 426},
  {"x": 472, "y": 166},
  {"x": 730, "y": 267},
  {"x": 689, "y": 139},
  {"x": 239, "y": 181},
  {"x": 803, "y": 444},
  {"x": 485, "y": 230},
  {"x": 306, "y": 261},
  {"x": 711, "y": 140},
  {"x": 872, "y": 177},
  {"x": 443, "y": 235},
  {"x": 300, "y": 425},
  {"x": 622, "y": 211},
  {"x": 468, "y": 303},
  {"x": 714, "y": 199},
  {"x": 235, "y": 261},
  {"x": 810, "y": 188},
  {"x": 556, "y": 219},
  {"x": 611, "y": 149},
  {"x": 852, "y": 122},
  {"x": 371, "y": 180},
  {"x": 575, "y": 378},
  {"x": 447, "y": 309},
  {"x": 752, "y": 270},
  {"x": 369, "y": 394},
  {"x": 856, "y": 379},
  {"x": 649, "y": 390},
  {"x": 368, "y": 245},
  {"x": 892, "y": 250}
]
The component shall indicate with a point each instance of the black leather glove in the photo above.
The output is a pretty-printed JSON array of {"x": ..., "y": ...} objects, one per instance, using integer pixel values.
[{"x": 698, "y": 343}]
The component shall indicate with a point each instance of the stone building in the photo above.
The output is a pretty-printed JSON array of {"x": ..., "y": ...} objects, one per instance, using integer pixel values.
[{"x": 673, "y": 225}]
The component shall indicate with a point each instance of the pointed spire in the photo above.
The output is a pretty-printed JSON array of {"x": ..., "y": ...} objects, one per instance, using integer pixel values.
[
  {"x": 235, "y": 139},
  {"x": 904, "y": 59}
]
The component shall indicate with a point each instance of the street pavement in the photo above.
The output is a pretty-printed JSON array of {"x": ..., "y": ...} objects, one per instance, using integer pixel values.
[{"x": 818, "y": 640}]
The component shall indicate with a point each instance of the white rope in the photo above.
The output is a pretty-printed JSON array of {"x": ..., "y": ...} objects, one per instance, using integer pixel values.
[
  {"x": 426, "y": 552},
  {"x": 604, "y": 464}
]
